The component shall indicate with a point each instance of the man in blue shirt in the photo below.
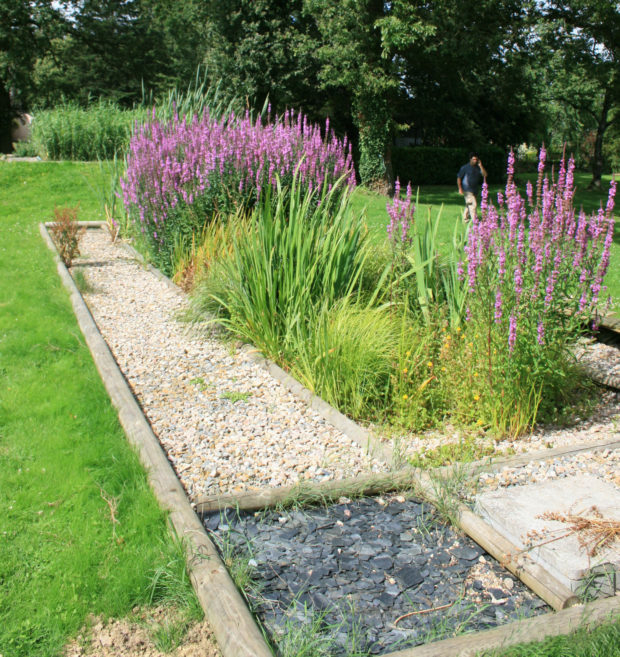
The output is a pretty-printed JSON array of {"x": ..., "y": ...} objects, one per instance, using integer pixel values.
[{"x": 469, "y": 180}]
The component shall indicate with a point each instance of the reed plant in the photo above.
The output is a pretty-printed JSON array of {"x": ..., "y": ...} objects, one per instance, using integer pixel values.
[
  {"x": 305, "y": 250},
  {"x": 70, "y": 132},
  {"x": 201, "y": 95}
]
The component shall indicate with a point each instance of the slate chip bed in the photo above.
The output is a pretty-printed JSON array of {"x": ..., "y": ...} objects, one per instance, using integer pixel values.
[{"x": 361, "y": 565}]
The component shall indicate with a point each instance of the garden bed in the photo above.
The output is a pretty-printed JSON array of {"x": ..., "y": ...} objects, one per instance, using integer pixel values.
[
  {"x": 225, "y": 423},
  {"x": 119, "y": 277}
]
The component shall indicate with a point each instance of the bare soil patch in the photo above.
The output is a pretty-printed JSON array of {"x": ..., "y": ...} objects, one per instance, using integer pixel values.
[{"x": 142, "y": 635}]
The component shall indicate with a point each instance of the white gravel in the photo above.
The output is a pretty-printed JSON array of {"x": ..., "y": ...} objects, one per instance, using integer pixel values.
[
  {"x": 604, "y": 464},
  {"x": 225, "y": 423}
]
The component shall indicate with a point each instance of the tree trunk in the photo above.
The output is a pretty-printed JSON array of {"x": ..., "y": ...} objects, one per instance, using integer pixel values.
[
  {"x": 6, "y": 120},
  {"x": 597, "y": 160},
  {"x": 373, "y": 124}
]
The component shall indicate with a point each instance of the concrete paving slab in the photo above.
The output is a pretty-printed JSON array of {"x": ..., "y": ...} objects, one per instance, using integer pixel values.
[{"x": 515, "y": 512}]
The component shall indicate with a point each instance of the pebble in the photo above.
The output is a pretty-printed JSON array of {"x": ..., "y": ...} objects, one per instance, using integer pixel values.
[{"x": 186, "y": 382}]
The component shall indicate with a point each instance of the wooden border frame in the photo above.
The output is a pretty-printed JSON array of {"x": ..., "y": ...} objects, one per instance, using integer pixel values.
[{"x": 234, "y": 627}]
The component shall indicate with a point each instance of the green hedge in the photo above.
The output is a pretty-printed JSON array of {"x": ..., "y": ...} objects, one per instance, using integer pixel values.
[{"x": 431, "y": 165}]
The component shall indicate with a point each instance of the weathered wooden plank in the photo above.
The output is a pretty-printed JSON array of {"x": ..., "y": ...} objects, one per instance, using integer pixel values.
[
  {"x": 305, "y": 493},
  {"x": 524, "y": 631}
]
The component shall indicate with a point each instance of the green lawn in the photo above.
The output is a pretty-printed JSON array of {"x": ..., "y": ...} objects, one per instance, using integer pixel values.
[
  {"x": 62, "y": 451},
  {"x": 61, "y": 447}
]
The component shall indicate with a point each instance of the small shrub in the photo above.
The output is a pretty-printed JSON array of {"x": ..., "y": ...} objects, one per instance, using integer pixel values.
[
  {"x": 25, "y": 149},
  {"x": 66, "y": 233}
]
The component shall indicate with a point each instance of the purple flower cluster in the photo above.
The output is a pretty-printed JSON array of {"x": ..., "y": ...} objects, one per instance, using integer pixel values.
[
  {"x": 175, "y": 164},
  {"x": 401, "y": 215},
  {"x": 536, "y": 264}
]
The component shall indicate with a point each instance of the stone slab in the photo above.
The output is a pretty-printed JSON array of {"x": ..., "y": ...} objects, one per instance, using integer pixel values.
[{"x": 516, "y": 511}]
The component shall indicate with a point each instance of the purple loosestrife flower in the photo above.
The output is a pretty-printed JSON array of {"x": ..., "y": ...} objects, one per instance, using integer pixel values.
[
  {"x": 401, "y": 214},
  {"x": 498, "y": 307},
  {"x": 537, "y": 262},
  {"x": 175, "y": 164},
  {"x": 540, "y": 330},
  {"x": 512, "y": 332}
]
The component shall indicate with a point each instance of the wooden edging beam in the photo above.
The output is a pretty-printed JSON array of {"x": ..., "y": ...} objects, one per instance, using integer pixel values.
[
  {"x": 265, "y": 498},
  {"x": 493, "y": 465},
  {"x": 233, "y": 625},
  {"x": 374, "y": 484},
  {"x": 523, "y": 631},
  {"x": 225, "y": 611}
]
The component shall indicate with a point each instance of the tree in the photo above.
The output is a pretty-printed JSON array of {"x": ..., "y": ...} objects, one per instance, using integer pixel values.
[
  {"x": 359, "y": 41},
  {"x": 264, "y": 49},
  {"x": 471, "y": 82},
  {"x": 581, "y": 42},
  {"x": 27, "y": 28}
]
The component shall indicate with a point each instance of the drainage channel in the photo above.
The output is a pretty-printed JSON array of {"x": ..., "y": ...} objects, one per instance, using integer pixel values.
[{"x": 365, "y": 576}]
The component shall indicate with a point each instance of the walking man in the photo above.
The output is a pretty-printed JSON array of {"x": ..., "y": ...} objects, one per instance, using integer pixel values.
[{"x": 469, "y": 180}]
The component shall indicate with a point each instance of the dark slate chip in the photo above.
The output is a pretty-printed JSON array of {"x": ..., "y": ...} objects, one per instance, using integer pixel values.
[
  {"x": 443, "y": 558},
  {"x": 382, "y": 562},
  {"x": 320, "y": 602},
  {"x": 428, "y": 587},
  {"x": 497, "y": 593},
  {"x": 408, "y": 577},
  {"x": 212, "y": 521},
  {"x": 376, "y": 561},
  {"x": 349, "y": 564},
  {"x": 467, "y": 553},
  {"x": 385, "y": 599}
]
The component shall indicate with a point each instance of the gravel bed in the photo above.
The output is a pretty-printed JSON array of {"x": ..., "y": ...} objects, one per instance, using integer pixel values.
[
  {"x": 362, "y": 565},
  {"x": 224, "y": 422},
  {"x": 604, "y": 464},
  {"x": 604, "y": 358}
]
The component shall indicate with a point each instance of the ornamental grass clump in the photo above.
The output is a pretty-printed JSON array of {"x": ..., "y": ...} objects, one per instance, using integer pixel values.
[
  {"x": 303, "y": 251},
  {"x": 534, "y": 270},
  {"x": 182, "y": 172}
]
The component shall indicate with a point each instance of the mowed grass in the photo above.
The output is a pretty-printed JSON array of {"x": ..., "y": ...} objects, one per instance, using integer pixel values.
[
  {"x": 80, "y": 530},
  {"x": 446, "y": 200},
  {"x": 62, "y": 556}
]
